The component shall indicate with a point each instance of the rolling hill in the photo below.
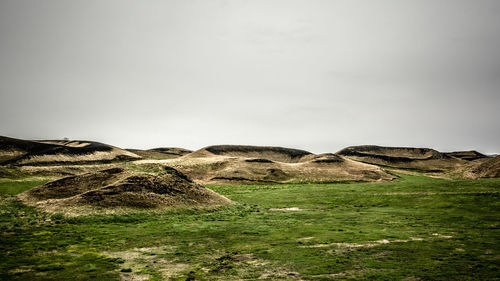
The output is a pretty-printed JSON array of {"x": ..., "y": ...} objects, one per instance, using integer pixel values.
[{"x": 43, "y": 152}]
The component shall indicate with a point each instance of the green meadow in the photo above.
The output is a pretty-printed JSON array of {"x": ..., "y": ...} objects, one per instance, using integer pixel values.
[{"x": 414, "y": 228}]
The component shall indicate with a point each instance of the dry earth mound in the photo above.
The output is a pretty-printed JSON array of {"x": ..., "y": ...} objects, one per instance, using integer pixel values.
[
  {"x": 161, "y": 152},
  {"x": 211, "y": 168},
  {"x": 24, "y": 152},
  {"x": 485, "y": 168},
  {"x": 424, "y": 159},
  {"x": 117, "y": 187},
  {"x": 273, "y": 153}
]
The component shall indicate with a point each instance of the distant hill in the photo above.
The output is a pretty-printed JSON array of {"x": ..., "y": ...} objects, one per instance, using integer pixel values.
[
  {"x": 235, "y": 163},
  {"x": 43, "y": 152},
  {"x": 467, "y": 155},
  {"x": 456, "y": 164},
  {"x": 246, "y": 163},
  {"x": 281, "y": 154},
  {"x": 161, "y": 152},
  {"x": 424, "y": 159},
  {"x": 392, "y": 154}
]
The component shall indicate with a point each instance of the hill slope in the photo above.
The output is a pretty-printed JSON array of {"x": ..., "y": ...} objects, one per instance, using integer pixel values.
[{"x": 485, "y": 168}]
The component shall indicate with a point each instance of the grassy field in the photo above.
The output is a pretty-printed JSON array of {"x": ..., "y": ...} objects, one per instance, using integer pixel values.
[{"x": 414, "y": 228}]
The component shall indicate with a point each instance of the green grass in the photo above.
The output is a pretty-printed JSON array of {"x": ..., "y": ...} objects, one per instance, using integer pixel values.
[
  {"x": 12, "y": 187},
  {"x": 417, "y": 228}
]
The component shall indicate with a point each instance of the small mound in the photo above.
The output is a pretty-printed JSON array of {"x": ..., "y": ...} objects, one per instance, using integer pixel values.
[
  {"x": 488, "y": 168},
  {"x": 273, "y": 153},
  {"x": 118, "y": 187},
  {"x": 74, "y": 185},
  {"x": 24, "y": 152}
]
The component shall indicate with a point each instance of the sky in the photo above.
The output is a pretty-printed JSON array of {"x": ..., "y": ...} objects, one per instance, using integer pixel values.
[{"x": 310, "y": 74}]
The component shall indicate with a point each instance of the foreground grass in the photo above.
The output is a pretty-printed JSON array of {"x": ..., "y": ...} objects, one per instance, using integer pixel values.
[{"x": 414, "y": 228}]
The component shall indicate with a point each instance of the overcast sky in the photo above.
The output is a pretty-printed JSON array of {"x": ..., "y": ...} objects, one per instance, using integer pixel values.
[{"x": 315, "y": 75}]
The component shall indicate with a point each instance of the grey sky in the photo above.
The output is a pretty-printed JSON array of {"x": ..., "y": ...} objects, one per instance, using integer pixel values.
[{"x": 316, "y": 75}]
